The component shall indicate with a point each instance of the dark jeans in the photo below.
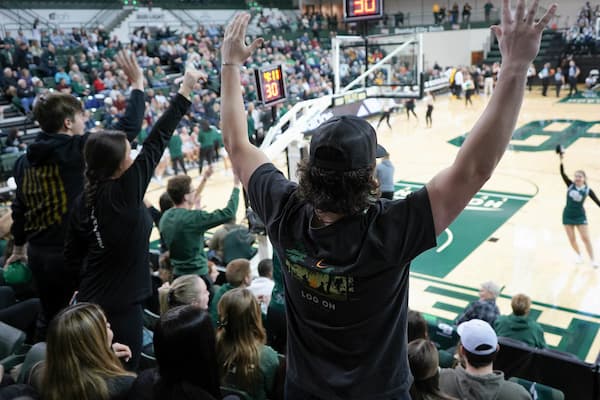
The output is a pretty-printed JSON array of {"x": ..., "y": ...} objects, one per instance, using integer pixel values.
[
  {"x": 178, "y": 161},
  {"x": 206, "y": 154},
  {"x": 127, "y": 324},
  {"x": 55, "y": 285},
  {"x": 385, "y": 116},
  {"x": 22, "y": 315}
]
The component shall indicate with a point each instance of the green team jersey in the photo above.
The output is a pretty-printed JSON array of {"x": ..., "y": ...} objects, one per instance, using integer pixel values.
[
  {"x": 206, "y": 138},
  {"x": 175, "y": 145}
]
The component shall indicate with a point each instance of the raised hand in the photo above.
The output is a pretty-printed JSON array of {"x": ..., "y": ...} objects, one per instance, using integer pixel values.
[
  {"x": 128, "y": 62},
  {"x": 518, "y": 34},
  {"x": 234, "y": 49},
  {"x": 190, "y": 78}
]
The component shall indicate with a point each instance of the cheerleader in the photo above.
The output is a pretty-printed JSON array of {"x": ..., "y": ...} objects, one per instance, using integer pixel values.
[{"x": 574, "y": 213}]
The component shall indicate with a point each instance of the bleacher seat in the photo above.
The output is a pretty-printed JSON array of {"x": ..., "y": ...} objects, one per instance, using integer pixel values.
[
  {"x": 575, "y": 378},
  {"x": 7, "y": 162},
  {"x": 539, "y": 391},
  {"x": 34, "y": 356},
  {"x": 11, "y": 345}
]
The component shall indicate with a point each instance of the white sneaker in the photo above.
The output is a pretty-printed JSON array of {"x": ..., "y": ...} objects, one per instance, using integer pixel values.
[
  {"x": 595, "y": 264},
  {"x": 578, "y": 259}
]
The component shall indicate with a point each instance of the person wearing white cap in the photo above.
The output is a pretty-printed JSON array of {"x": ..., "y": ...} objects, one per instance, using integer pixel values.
[
  {"x": 477, "y": 380},
  {"x": 485, "y": 308}
]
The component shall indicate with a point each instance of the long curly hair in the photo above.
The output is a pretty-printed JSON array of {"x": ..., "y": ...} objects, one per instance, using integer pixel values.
[{"x": 346, "y": 193}]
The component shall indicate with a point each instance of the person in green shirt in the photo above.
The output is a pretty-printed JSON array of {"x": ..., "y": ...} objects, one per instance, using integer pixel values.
[
  {"x": 206, "y": 141},
  {"x": 238, "y": 275},
  {"x": 241, "y": 346},
  {"x": 176, "y": 152},
  {"x": 182, "y": 227},
  {"x": 518, "y": 325}
]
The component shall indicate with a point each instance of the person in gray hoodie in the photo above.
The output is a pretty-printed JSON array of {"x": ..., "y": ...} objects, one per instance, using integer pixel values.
[{"x": 477, "y": 380}]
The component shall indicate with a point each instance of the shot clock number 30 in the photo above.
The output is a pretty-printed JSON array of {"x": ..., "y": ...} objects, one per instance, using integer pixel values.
[
  {"x": 270, "y": 83},
  {"x": 358, "y": 10}
]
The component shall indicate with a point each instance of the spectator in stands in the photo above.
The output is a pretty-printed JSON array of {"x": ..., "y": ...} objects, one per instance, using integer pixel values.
[
  {"x": 316, "y": 224},
  {"x": 487, "y": 10},
  {"x": 13, "y": 143},
  {"x": 466, "y": 13},
  {"x": 48, "y": 61},
  {"x": 184, "y": 346},
  {"x": 245, "y": 361},
  {"x": 110, "y": 226},
  {"x": 61, "y": 74},
  {"x": 8, "y": 79},
  {"x": 519, "y": 325},
  {"x": 185, "y": 290},
  {"x": 262, "y": 287},
  {"x": 40, "y": 210},
  {"x": 184, "y": 225},
  {"x": 485, "y": 308},
  {"x": 418, "y": 329},
  {"x": 82, "y": 362},
  {"x": 478, "y": 349},
  {"x": 424, "y": 366},
  {"x": 238, "y": 275},
  {"x": 217, "y": 242}
]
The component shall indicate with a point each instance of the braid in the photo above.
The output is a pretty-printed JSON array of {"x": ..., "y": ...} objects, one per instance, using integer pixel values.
[{"x": 90, "y": 188}]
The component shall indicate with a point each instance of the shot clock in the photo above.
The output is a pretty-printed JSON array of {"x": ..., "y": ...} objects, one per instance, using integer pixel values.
[
  {"x": 359, "y": 10},
  {"x": 270, "y": 84}
]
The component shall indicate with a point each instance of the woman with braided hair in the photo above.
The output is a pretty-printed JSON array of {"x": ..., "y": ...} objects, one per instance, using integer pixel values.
[{"x": 110, "y": 226}]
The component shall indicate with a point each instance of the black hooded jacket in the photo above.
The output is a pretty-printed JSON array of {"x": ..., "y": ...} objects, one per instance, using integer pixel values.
[{"x": 50, "y": 177}]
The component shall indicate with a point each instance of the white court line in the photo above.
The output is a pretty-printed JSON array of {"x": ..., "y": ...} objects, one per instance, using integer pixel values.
[{"x": 447, "y": 243}]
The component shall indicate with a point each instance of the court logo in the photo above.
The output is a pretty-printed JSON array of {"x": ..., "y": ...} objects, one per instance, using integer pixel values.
[
  {"x": 486, "y": 212},
  {"x": 544, "y": 135}
]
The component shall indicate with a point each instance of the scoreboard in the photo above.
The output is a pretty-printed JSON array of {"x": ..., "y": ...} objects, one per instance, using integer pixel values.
[
  {"x": 270, "y": 84},
  {"x": 359, "y": 10}
]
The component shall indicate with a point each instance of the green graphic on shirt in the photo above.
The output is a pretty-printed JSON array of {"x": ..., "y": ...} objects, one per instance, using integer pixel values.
[
  {"x": 486, "y": 212},
  {"x": 552, "y": 132}
]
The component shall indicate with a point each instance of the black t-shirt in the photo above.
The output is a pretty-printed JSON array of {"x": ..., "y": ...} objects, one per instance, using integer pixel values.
[
  {"x": 117, "y": 271},
  {"x": 346, "y": 288}
]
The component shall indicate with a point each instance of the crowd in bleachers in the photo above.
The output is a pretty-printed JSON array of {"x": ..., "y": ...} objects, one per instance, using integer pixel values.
[{"x": 581, "y": 36}]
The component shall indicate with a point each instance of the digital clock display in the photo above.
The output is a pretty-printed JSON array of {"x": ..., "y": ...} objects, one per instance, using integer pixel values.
[
  {"x": 358, "y": 10},
  {"x": 270, "y": 83}
]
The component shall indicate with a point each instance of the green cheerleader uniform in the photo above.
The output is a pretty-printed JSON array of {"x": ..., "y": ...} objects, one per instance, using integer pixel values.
[{"x": 574, "y": 213}]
